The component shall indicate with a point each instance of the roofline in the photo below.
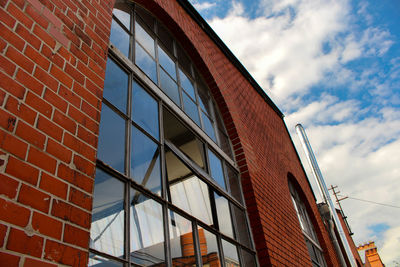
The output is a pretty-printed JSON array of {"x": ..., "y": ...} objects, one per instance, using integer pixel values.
[{"x": 221, "y": 45}]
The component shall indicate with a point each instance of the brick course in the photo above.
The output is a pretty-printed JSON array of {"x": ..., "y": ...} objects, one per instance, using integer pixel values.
[{"x": 52, "y": 58}]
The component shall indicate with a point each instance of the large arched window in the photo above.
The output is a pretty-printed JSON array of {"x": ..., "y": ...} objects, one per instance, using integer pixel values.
[
  {"x": 167, "y": 191},
  {"x": 307, "y": 227}
]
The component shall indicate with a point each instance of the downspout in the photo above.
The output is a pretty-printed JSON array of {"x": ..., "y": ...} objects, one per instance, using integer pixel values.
[{"x": 325, "y": 193}]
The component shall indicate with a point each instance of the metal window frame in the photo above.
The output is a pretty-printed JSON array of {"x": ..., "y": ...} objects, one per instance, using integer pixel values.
[{"x": 143, "y": 80}]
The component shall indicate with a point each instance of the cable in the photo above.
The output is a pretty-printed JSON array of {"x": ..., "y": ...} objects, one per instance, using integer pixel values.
[{"x": 373, "y": 202}]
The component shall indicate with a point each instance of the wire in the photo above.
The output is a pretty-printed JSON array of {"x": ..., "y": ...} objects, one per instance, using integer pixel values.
[{"x": 373, "y": 202}]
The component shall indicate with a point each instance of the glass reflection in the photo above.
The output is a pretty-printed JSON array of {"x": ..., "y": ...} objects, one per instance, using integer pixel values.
[
  {"x": 248, "y": 259},
  {"x": 145, "y": 158},
  {"x": 122, "y": 12},
  {"x": 231, "y": 257},
  {"x": 99, "y": 261},
  {"x": 187, "y": 84},
  {"x": 119, "y": 38},
  {"x": 145, "y": 110},
  {"x": 224, "y": 143},
  {"x": 144, "y": 39},
  {"x": 183, "y": 60},
  {"x": 208, "y": 126},
  {"x": 166, "y": 62},
  {"x": 111, "y": 149},
  {"x": 169, "y": 87},
  {"x": 107, "y": 228},
  {"x": 223, "y": 214},
  {"x": 186, "y": 191},
  {"x": 181, "y": 240},
  {"x": 145, "y": 16},
  {"x": 146, "y": 231},
  {"x": 166, "y": 38},
  {"x": 242, "y": 230},
  {"x": 216, "y": 169},
  {"x": 204, "y": 97},
  {"x": 234, "y": 184},
  {"x": 190, "y": 108},
  {"x": 183, "y": 139},
  {"x": 146, "y": 63},
  {"x": 116, "y": 86},
  {"x": 209, "y": 248}
]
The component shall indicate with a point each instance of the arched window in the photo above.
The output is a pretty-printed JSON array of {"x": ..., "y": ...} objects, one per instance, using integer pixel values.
[
  {"x": 167, "y": 191},
  {"x": 307, "y": 227}
]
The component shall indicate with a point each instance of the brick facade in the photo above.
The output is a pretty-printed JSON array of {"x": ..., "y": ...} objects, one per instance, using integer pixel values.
[{"x": 52, "y": 56}]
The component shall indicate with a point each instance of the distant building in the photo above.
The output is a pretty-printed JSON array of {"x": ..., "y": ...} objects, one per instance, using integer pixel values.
[
  {"x": 371, "y": 255},
  {"x": 131, "y": 136}
]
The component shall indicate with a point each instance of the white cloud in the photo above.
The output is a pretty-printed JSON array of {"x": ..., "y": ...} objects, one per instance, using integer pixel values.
[
  {"x": 294, "y": 45},
  {"x": 298, "y": 43},
  {"x": 203, "y": 6}
]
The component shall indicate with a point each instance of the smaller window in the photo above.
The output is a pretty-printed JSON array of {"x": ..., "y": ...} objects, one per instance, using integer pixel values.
[{"x": 310, "y": 236}]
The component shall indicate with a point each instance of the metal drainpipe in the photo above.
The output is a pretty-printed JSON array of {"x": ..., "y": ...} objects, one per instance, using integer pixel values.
[{"x": 324, "y": 190}]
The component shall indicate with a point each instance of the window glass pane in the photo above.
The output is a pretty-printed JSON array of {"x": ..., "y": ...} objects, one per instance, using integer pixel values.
[
  {"x": 144, "y": 39},
  {"x": 107, "y": 228},
  {"x": 169, "y": 86},
  {"x": 145, "y": 110},
  {"x": 145, "y": 16},
  {"x": 209, "y": 248},
  {"x": 146, "y": 63},
  {"x": 187, "y": 84},
  {"x": 122, "y": 12},
  {"x": 183, "y": 139},
  {"x": 99, "y": 261},
  {"x": 116, "y": 86},
  {"x": 145, "y": 158},
  {"x": 186, "y": 190},
  {"x": 231, "y": 257},
  {"x": 224, "y": 143},
  {"x": 166, "y": 62},
  {"x": 111, "y": 149},
  {"x": 190, "y": 108},
  {"x": 234, "y": 186},
  {"x": 184, "y": 61},
  {"x": 119, "y": 38},
  {"x": 181, "y": 240},
  {"x": 216, "y": 169},
  {"x": 146, "y": 230},
  {"x": 208, "y": 127},
  {"x": 248, "y": 259},
  {"x": 166, "y": 38},
  {"x": 204, "y": 97},
  {"x": 242, "y": 230},
  {"x": 224, "y": 215}
]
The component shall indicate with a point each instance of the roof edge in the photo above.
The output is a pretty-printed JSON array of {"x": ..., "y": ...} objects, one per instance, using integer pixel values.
[{"x": 221, "y": 45}]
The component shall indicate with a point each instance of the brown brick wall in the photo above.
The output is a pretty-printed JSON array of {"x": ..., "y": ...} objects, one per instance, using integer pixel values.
[{"x": 53, "y": 56}]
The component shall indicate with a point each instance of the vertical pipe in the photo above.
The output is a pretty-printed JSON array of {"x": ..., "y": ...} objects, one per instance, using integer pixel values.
[{"x": 324, "y": 190}]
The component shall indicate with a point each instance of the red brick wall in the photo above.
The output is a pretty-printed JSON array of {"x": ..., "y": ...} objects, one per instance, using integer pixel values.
[
  {"x": 52, "y": 59},
  {"x": 263, "y": 148}
]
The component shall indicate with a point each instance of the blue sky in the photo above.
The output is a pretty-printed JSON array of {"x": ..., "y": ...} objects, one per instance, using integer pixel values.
[{"x": 334, "y": 66}]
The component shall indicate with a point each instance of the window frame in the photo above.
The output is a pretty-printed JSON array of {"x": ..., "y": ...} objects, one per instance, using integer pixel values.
[
  {"x": 304, "y": 217},
  {"x": 135, "y": 74}
]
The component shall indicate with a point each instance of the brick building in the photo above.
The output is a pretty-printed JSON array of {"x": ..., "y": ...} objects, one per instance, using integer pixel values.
[{"x": 130, "y": 135}]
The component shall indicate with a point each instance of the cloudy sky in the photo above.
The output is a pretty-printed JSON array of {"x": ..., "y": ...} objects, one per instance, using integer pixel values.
[{"x": 334, "y": 66}]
